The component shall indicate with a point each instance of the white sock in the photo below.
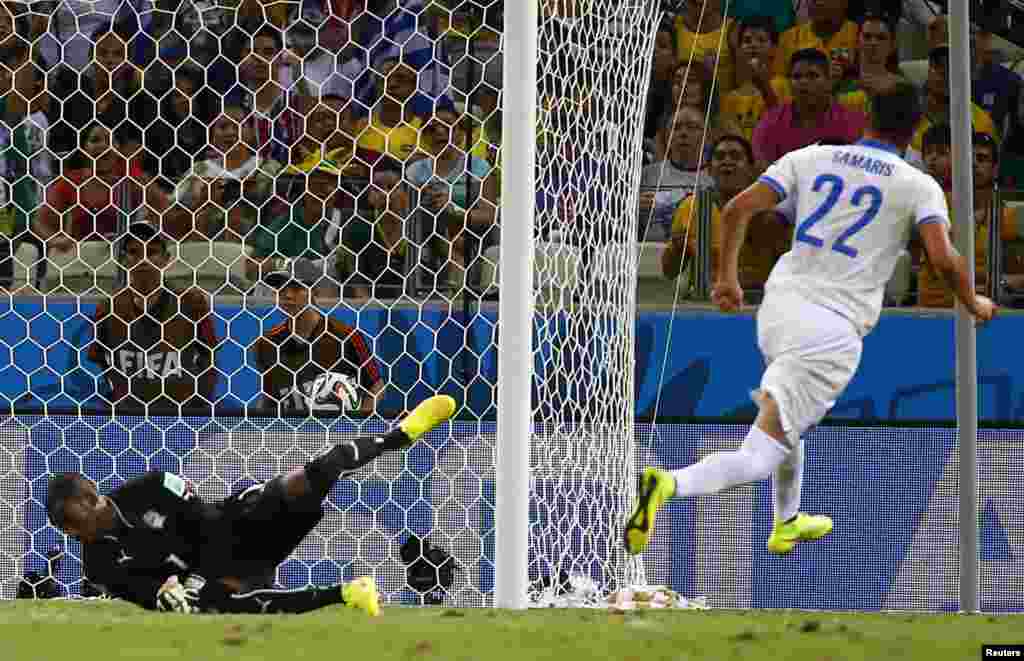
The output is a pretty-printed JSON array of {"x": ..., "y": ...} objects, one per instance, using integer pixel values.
[
  {"x": 757, "y": 458},
  {"x": 786, "y": 483}
]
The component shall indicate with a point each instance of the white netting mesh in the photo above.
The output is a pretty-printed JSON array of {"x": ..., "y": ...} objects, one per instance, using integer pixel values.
[{"x": 162, "y": 159}]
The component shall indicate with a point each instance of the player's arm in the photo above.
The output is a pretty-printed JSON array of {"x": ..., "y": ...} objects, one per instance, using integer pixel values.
[
  {"x": 357, "y": 352},
  {"x": 756, "y": 199},
  {"x": 952, "y": 267},
  {"x": 207, "y": 335},
  {"x": 119, "y": 581},
  {"x": 98, "y": 351},
  {"x": 673, "y": 258},
  {"x": 931, "y": 216}
]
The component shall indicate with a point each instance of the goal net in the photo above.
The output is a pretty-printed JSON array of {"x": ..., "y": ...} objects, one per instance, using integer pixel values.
[{"x": 160, "y": 162}]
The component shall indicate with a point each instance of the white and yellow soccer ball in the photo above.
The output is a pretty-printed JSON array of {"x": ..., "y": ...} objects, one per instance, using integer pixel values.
[{"x": 334, "y": 388}]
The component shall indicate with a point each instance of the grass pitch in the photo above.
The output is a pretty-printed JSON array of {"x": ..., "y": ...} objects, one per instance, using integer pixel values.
[{"x": 87, "y": 631}]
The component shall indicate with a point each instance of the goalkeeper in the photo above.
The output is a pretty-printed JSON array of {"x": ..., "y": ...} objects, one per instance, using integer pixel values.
[{"x": 155, "y": 543}]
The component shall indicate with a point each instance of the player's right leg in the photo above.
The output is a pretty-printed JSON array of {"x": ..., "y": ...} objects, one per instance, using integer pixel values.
[{"x": 313, "y": 482}]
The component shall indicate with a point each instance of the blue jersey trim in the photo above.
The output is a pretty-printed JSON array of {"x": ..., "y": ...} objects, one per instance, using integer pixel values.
[
  {"x": 935, "y": 218},
  {"x": 875, "y": 144},
  {"x": 775, "y": 186}
]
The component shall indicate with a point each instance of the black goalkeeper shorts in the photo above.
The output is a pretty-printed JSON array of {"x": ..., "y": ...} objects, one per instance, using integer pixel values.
[{"x": 260, "y": 529}]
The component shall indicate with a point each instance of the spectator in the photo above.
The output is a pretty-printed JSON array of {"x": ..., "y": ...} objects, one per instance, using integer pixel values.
[
  {"x": 372, "y": 260},
  {"x": 829, "y": 31},
  {"x": 154, "y": 345},
  {"x": 702, "y": 37},
  {"x": 995, "y": 88},
  {"x": 70, "y": 39},
  {"x": 393, "y": 129},
  {"x": 487, "y": 136},
  {"x": 458, "y": 191},
  {"x": 245, "y": 181},
  {"x": 690, "y": 88},
  {"x": 938, "y": 155},
  {"x": 931, "y": 292},
  {"x": 938, "y": 32},
  {"x": 180, "y": 135},
  {"x": 693, "y": 88},
  {"x": 86, "y": 203},
  {"x": 812, "y": 115},
  {"x": 732, "y": 169},
  {"x": 293, "y": 354},
  {"x": 780, "y": 11},
  {"x": 659, "y": 92},
  {"x": 110, "y": 87},
  {"x": 331, "y": 66},
  {"x": 331, "y": 127},
  {"x": 267, "y": 89},
  {"x": 937, "y": 105},
  {"x": 878, "y": 64},
  {"x": 569, "y": 193},
  {"x": 666, "y": 183},
  {"x": 743, "y": 107},
  {"x": 10, "y": 37},
  {"x": 301, "y": 231},
  {"x": 25, "y": 164}
]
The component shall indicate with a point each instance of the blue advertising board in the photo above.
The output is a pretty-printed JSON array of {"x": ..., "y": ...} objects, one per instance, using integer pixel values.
[
  {"x": 690, "y": 364},
  {"x": 891, "y": 491}
]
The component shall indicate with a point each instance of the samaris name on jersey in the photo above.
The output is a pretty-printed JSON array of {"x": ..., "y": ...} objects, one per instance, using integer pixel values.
[{"x": 863, "y": 162}]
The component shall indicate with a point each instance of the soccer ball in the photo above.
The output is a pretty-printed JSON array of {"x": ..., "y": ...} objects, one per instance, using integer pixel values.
[{"x": 334, "y": 388}]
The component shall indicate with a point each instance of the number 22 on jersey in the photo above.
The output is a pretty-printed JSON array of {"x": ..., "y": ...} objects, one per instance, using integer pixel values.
[{"x": 869, "y": 197}]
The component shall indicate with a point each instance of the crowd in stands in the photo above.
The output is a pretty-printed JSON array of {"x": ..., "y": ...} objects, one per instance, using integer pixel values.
[
  {"x": 767, "y": 80},
  {"x": 315, "y": 130},
  {"x": 308, "y": 131}
]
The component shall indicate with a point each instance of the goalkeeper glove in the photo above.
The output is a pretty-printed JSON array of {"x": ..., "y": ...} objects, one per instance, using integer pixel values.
[{"x": 175, "y": 597}]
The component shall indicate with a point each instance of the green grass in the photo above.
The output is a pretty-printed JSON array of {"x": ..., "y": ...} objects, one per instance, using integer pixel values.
[{"x": 84, "y": 631}]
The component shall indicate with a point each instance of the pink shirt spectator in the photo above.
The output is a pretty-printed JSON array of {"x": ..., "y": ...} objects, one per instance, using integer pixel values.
[{"x": 775, "y": 135}]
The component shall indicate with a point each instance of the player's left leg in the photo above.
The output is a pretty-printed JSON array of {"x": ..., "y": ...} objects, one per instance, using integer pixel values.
[
  {"x": 360, "y": 594},
  {"x": 790, "y": 524}
]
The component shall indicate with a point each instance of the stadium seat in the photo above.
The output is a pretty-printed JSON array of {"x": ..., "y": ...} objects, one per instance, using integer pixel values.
[
  {"x": 916, "y": 71},
  {"x": 210, "y": 265},
  {"x": 26, "y": 266},
  {"x": 649, "y": 260},
  {"x": 555, "y": 265},
  {"x": 89, "y": 265},
  {"x": 558, "y": 265}
]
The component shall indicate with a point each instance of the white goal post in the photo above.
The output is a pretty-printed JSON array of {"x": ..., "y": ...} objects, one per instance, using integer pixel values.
[{"x": 515, "y": 316}]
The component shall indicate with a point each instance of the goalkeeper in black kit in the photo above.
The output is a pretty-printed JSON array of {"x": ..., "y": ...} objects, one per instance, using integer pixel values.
[{"x": 155, "y": 543}]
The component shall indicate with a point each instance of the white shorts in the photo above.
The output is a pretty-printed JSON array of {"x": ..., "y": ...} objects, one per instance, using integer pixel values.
[{"x": 811, "y": 354}]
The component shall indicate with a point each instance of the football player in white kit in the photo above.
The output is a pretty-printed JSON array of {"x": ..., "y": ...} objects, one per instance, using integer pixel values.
[{"x": 854, "y": 208}]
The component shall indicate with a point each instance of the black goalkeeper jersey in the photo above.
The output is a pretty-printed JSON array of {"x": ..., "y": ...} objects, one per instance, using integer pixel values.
[{"x": 163, "y": 528}]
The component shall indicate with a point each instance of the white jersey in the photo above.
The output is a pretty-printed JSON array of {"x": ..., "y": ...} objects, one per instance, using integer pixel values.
[{"x": 854, "y": 208}]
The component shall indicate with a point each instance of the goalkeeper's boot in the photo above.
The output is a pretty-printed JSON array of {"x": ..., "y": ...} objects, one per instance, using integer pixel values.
[
  {"x": 362, "y": 594},
  {"x": 801, "y": 528},
  {"x": 428, "y": 414},
  {"x": 656, "y": 486}
]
